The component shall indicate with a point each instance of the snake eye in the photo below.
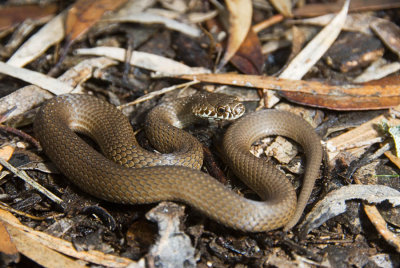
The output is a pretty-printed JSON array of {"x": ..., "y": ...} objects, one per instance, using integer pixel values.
[{"x": 221, "y": 110}]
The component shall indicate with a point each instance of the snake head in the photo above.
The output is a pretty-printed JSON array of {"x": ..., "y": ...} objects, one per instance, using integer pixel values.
[{"x": 218, "y": 106}]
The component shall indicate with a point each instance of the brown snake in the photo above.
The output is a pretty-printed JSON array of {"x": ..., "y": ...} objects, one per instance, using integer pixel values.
[{"x": 157, "y": 177}]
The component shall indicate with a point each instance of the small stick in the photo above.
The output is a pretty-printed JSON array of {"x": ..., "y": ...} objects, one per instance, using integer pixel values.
[
  {"x": 157, "y": 93},
  {"x": 22, "y": 174}
]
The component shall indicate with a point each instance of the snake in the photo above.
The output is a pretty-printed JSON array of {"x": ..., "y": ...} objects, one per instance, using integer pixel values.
[{"x": 121, "y": 171}]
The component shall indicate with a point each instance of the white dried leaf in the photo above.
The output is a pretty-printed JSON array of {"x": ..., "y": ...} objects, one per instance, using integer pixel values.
[
  {"x": 317, "y": 47},
  {"x": 46, "y": 82},
  {"x": 50, "y": 34},
  {"x": 143, "y": 60},
  {"x": 148, "y": 18},
  {"x": 377, "y": 70}
]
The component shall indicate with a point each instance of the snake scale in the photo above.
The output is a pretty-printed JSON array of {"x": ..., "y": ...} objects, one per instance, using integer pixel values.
[{"x": 126, "y": 173}]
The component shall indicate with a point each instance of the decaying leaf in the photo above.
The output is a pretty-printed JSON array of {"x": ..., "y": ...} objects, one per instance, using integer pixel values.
[
  {"x": 249, "y": 59},
  {"x": 45, "y": 248},
  {"x": 7, "y": 247},
  {"x": 84, "y": 14},
  {"x": 240, "y": 13},
  {"x": 173, "y": 247},
  {"x": 11, "y": 15}
]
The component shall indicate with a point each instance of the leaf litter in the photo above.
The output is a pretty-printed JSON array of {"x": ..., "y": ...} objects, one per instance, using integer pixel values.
[{"x": 91, "y": 65}]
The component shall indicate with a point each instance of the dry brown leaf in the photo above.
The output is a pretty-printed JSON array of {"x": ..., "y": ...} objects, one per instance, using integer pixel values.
[
  {"x": 346, "y": 101},
  {"x": 312, "y": 93},
  {"x": 249, "y": 58},
  {"x": 7, "y": 247},
  {"x": 80, "y": 18},
  {"x": 38, "y": 252},
  {"x": 6, "y": 153},
  {"x": 240, "y": 14},
  {"x": 52, "y": 245},
  {"x": 85, "y": 13},
  {"x": 12, "y": 15}
]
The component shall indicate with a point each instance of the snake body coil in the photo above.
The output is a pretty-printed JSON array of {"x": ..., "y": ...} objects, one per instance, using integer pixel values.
[{"x": 136, "y": 176}]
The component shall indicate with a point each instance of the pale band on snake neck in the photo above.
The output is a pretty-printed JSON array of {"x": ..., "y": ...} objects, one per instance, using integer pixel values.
[{"x": 128, "y": 174}]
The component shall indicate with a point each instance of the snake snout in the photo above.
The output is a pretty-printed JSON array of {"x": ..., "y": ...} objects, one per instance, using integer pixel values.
[{"x": 238, "y": 110}]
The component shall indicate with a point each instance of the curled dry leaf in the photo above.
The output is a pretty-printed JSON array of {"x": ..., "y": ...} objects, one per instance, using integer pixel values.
[
  {"x": 240, "y": 14},
  {"x": 173, "y": 247},
  {"x": 249, "y": 58},
  {"x": 39, "y": 253},
  {"x": 334, "y": 203}
]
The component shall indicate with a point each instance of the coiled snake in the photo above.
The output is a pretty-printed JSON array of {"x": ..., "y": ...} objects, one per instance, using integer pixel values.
[{"x": 128, "y": 174}]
